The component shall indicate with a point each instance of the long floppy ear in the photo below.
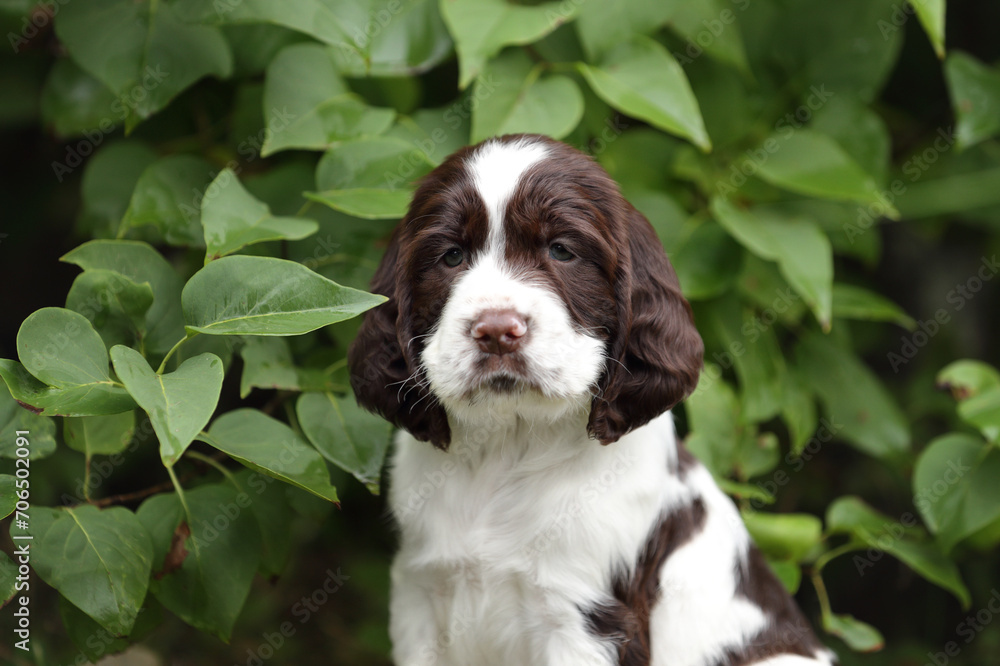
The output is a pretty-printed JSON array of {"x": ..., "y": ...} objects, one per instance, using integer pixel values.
[
  {"x": 383, "y": 363},
  {"x": 658, "y": 348}
]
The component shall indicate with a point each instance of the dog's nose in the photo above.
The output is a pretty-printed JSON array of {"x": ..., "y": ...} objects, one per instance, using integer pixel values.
[{"x": 499, "y": 331}]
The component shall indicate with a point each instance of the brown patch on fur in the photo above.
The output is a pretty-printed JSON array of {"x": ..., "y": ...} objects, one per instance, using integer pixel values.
[
  {"x": 787, "y": 632},
  {"x": 626, "y": 619}
]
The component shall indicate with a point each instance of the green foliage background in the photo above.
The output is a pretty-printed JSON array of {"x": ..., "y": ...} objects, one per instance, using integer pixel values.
[{"x": 219, "y": 178}]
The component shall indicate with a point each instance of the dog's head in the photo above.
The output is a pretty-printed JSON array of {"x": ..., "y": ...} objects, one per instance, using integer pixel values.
[{"x": 522, "y": 281}]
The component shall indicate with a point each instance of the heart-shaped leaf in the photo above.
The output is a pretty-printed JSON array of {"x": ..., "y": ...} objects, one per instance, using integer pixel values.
[
  {"x": 523, "y": 102},
  {"x": 141, "y": 263},
  {"x": 955, "y": 487},
  {"x": 153, "y": 56},
  {"x": 168, "y": 197},
  {"x": 205, "y": 560},
  {"x": 641, "y": 79},
  {"x": 179, "y": 404},
  {"x": 371, "y": 177},
  {"x": 233, "y": 219},
  {"x": 308, "y": 105},
  {"x": 264, "y": 296},
  {"x": 65, "y": 368},
  {"x": 98, "y": 559},
  {"x": 482, "y": 27},
  {"x": 115, "y": 305},
  {"x": 800, "y": 248},
  {"x": 352, "y": 438},
  {"x": 269, "y": 446}
]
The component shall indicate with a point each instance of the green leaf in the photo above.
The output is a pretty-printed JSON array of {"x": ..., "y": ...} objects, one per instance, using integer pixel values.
[
  {"x": 115, "y": 306},
  {"x": 809, "y": 162},
  {"x": 104, "y": 435},
  {"x": 983, "y": 411},
  {"x": 931, "y": 14},
  {"x": 100, "y": 560},
  {"x": 233, "y": 219},
  {"x": 269, "y": 446},
  {"x": 65, "y": 368},
  {"x": 352, "y": 438},
  {"x": 523, "y": 101},
  {"x": 788, "y": 572},
  {"x": 955, "y": 487},
  {"x": 8, "y": 579},
  {"x": 859, "y": 636},
  {"x": 268, "y": 363},
  {"x": 857, "y": 404},
  {"x": 205, "y": 556},
  {"x": 798, "y": 410},
  {"x": 265, "y": 296},
  {"x": 109, "y": 178},
  {"x": 800, "y": 248},
  {"x": 714, "y": 414},
  {"x": 900, "y": 538},
  {"x": 371, "y": 177},
  {"x": 641, "y": 79},
  {"x": 168, "y": 197},
  {"x": 967, "y": 378},
  {"x": 696, "y": 20},
  {"x": 73, "y": 101},
  {"x": 603, "y": 25},
  {"x": 82, "y": 400},
  {"x": 707, "y": 262},
  {"x": 373, "y": 37},
  {"x": 140, "y": 263},
  {"x": 273, "y": 511},
  {"x": 96, "y": 642},
  {"x": 785, "y": 536},
  {"x": 859, "y": 130},
  {"x": 179, "y": 404},
  {"x": 482, "y": 27},
  {"x": 975, "y": 96},
  {"x": 852, "y": 302},
  {"x": 8, "y": 496},
  {"x": 14, "y": 417},
  {"x": 308, "y": 105},
  {"x": 153, "y": 57}
]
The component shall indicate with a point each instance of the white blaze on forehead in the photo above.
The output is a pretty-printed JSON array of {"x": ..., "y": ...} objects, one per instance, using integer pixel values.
[{"x": 496, "y": 169}]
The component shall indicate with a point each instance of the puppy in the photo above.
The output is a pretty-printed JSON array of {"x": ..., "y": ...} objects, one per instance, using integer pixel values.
[{"x": 534, "y": 342}]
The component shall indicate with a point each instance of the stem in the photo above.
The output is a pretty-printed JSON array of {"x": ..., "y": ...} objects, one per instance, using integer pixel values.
[
  {"x": 208, "y": 460},
  {"x": 86, "y": 478},
  {"x": 180, "y": 492},
  {"x": 824, "y": 598},
  {"x": 825, "y": 558},
  {"x": 170, "y": 353}
]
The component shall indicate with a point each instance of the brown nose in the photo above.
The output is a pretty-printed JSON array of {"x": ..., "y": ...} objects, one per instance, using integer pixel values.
[{"x": 499, "y": 331}]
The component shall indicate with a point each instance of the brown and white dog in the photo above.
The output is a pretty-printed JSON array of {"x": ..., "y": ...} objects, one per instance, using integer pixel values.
[{"x": 536, "y": 335}]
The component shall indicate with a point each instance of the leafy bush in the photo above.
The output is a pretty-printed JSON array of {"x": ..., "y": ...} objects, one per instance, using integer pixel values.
[{"x": 240, "y": 164}]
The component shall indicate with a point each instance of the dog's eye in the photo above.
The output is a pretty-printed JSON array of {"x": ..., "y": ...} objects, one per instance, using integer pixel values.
[
  {"x": 558, "y": 252},
  {"x": 453, "y": 257}
]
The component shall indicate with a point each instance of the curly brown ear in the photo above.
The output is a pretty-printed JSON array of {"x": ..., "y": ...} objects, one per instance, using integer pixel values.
[
  {"x": 385, "y": 372},
  {"x": 658, "y": 347}
]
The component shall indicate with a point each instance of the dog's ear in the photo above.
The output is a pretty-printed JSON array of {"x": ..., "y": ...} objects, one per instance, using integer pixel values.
[
  {"x": 385, "y": 370},
  {"x": 657, "y": 346}
]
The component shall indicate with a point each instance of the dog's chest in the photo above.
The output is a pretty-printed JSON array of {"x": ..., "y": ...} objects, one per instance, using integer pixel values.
[{"x": 507, "y": 546}]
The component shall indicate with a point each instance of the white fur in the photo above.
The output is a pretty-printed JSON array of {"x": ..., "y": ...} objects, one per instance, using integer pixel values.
[{"x": 514, "y": 533}]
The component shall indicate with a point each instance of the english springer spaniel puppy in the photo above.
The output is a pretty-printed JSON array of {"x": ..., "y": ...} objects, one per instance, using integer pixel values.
[{"x": 536, "y": 337}]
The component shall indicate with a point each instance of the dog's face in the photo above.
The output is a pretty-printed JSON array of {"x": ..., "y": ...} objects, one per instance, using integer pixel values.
[{"x": 522, "y": 282}]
